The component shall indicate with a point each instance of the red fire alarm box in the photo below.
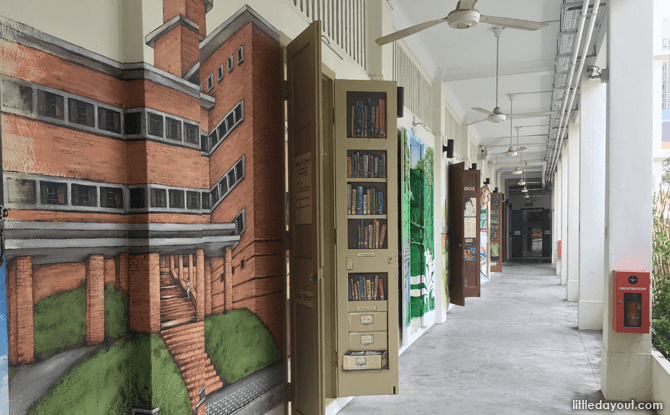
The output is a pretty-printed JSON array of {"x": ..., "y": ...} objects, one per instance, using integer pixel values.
[{"x": 630, "y": 296}]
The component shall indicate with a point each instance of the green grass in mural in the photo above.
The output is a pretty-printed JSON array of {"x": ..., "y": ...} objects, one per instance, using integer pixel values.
[
  {"x": 239, "y": 344},
  {"x": 60, "y": 322},
  {"x": 116, "y": 312},
  {"x": 99, "y": 384}
]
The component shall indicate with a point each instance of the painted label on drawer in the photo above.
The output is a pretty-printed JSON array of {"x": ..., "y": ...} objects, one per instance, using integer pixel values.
[
  {"x": 367, "y": 319},
  {"x": 367, "y": 339}
]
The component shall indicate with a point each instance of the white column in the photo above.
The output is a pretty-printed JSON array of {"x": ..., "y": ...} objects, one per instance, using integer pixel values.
[
  {"x": 379, "y": 23},
  {"x": 558, "y": 214},
  {"x": 572, "y": 286},
  {"x": 440, "y": 198},
  {"x": 626, "y": 358},
  {"x": 592, "y": 204},
  {"x": 564, "y": 213}
]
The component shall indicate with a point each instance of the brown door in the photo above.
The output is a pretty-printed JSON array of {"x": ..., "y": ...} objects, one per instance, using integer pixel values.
[
  {"x": 470, "y": 202},
  {"x": 455, "y": 205},
  {"x": 304, "y": 79}
]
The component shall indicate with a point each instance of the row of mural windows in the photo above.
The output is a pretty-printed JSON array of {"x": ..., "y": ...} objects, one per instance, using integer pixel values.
[
  {"x": 219, "y": 70},
  {"x": 91, "y": 116},
  {"x": 228, "y": 182},
  {"x": 223, "y": 129}
]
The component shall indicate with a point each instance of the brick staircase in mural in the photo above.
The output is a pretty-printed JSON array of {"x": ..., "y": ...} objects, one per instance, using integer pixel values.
[{"x": 185, "y": 340}]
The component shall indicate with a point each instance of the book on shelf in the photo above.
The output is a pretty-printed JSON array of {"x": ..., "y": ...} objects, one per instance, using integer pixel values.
[
  {"x": 349, "y": 167},
  {"x": 359, "y": 119},
  {"x": 382, "y": 235},
  {"x": 359, "y": 200},
  {"x": 351, "y": 297},
  {"x": 377, "y": 241},
  {"x": 380, "y": 203},
  {"x": 382, "y": 118},
  {"x": 383, "y": 167},
  {"x": 368, "y": 119},
  {"x": 366, "y": 288},
  {"x": 348, "y": 199}
]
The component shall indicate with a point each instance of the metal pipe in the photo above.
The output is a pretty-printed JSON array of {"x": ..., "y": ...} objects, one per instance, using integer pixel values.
[
  {"x": 573, "y": 63},
  {"x": 573, "y": 93}
]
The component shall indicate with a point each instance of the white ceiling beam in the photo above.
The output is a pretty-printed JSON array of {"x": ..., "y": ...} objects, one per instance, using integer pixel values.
[{"x": 541, "y": 67}]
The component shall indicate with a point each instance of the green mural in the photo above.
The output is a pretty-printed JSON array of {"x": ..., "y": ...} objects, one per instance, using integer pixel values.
[{"x": 417, "y": 228}]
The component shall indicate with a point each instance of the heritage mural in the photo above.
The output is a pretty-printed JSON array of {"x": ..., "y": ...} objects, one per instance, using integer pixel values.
[
  {"x": 417, "y": 228},
  {"x": 143, "y": 241}
]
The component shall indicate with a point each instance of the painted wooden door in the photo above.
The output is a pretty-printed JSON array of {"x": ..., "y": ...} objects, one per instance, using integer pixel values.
[
  {"x": 456, "y": 281},
  {"x": 306, "y": 222},
  {"x": 471, "y": 232}
]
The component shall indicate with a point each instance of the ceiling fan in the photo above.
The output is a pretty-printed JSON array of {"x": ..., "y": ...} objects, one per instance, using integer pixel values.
[{"x": 463, "y": 17}]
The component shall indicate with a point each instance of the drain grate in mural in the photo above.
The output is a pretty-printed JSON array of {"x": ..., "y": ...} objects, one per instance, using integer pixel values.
[{"x": 230, "y": 399}]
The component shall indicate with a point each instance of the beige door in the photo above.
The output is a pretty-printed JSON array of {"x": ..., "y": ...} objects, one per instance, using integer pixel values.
[{"x": 306, "y": 222}]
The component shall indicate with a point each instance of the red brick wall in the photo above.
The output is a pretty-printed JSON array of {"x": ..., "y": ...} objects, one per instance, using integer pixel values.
[
  {"x": 228, "y": 278},
  {"x": 52, "y": 278},
  {"x": 268, "y": 139},
  {"x": 29, "y": 64},
  {"x": 95, "y": 299},
  {"x": 208, "y": 287},
  {"x": 24, "y": 310},
  {"x": 194, "y": 10},
  {"x": 177, "y": 51},
  {"x": 144, "y": 301},
  {"x": 110, "y": 271},
  {"x": 50, "y": 216},
  {"x": 12, "y": 317},
  {"x": 143, "y": 93},
  {"x": 200, "y": 284},
  {"x": 122, "y": 272},
  {"x": 30, "y": 146},
  {"x": 216, "y": 270},
  {"x": 167, "y": 52},
  {"x": 152, "y": 162}
]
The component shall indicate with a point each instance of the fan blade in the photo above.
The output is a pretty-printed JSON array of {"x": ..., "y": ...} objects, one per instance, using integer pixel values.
[
  {"x": 521, "y": 148},
  {"x": 483, "y": 110},
  {"x": 466, "y": 5},
  {"x": 476, "y": 122},
  {"x": 409, "y": 31},
  {"x": 512, "y": 23}
]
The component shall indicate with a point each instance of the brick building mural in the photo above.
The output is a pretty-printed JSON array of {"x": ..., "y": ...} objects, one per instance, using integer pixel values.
[{"x": 144, "y": 234}]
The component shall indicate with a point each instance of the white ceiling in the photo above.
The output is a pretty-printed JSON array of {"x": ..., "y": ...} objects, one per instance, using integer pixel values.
[{"x": 465, "y": 60}]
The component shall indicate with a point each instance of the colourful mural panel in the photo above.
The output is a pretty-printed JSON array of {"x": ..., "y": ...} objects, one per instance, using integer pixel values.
[
  {"x": 136, "y": 211},
  {"x": 417, "y": 231}
]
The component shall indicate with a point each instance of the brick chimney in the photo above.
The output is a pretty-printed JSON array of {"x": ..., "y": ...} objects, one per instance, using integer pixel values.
[{"x": 177, "y": 42}]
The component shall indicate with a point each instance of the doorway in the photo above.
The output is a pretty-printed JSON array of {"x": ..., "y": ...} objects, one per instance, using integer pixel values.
[{"x": 531, "y": 232}]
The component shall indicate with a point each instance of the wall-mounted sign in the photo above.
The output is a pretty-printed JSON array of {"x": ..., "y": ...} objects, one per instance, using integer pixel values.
[{"x": 303, "y": 189}]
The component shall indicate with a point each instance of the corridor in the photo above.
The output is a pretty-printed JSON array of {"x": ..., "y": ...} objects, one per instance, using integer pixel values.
[{"x": 515, "y": 350}]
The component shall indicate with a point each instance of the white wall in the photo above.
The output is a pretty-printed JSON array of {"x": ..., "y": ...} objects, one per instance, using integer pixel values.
[{"x": 107, "y": 27}]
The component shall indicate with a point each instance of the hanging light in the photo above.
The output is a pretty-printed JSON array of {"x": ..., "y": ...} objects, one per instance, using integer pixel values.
[
  {"x": 517, "y": 171},
  {"x": 526, "y": 196},
  {"x": 524, "y": 190},
  {"x": 511, "y": 152},
  {"x": 521, "y": 182}
]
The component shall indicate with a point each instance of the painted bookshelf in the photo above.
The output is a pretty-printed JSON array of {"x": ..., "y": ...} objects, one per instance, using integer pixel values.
[{"x": 366, "y": 237}]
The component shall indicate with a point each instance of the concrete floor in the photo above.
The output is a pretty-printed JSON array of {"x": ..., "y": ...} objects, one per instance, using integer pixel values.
[{"x": 515, "y": 350}]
